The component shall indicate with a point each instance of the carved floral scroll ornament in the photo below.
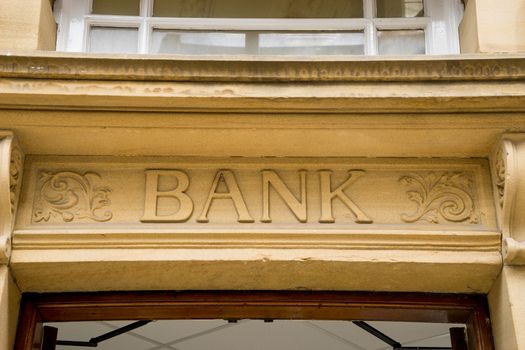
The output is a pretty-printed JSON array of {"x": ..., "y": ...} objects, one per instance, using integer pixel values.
[
  {"x": 69, "y": 196},
  {"x": 441, "y": 196}
]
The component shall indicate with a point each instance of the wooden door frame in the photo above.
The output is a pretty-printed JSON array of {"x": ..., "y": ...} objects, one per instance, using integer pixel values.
[{"x": 471, "y": 310}]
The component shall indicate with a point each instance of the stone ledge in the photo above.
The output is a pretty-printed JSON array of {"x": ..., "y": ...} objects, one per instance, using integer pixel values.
[
  {"x": 300, "y": 97},
  {"x": 59, "y": 65},
  {"x": 233, "y": 134},
  {"x": 254, "y": 269},
  {"x": 370, "y": 240}
]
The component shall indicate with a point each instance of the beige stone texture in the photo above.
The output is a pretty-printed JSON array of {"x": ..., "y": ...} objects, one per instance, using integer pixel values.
[
  {"x": 27, "y": 25},
  {"x": 507, "y": 307},
  {"x": 493, "y": 26},
  {"x": 11, "y": 169},
  {"x": 418, "y": 107},
  {"x": 9, "y": 305},
  {"x": 512, "y": 198},
  {"x": 468, "y": 29},
  {"x": 226, "y": 134},
  {"x": 375, "y": 194},
  {"x": 380, "y": 239},
  {"x": 506, "y": 299},
  {"x": 508, "y": 164},
  {"x": 137, "y": 106},
  {"x": 254, "y": 269}
]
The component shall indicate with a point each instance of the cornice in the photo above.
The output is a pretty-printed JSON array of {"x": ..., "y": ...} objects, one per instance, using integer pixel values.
[
  {"x": 56, "y": 65},
  {"x": 53, "y": 81}
]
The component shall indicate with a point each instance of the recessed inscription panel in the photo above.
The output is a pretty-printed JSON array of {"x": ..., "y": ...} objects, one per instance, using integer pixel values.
[{"x": 188, "y": 194}]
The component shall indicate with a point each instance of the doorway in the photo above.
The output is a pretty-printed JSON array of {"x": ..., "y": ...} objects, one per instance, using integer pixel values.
[{"x": 255, "y": 319}]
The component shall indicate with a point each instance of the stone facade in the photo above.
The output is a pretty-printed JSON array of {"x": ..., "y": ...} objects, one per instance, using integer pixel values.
[{"x": 286, "y": 174}]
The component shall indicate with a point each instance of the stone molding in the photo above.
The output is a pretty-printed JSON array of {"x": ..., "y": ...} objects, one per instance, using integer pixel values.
[
  {"x": 229, "y": 97},
  {"x": 59, "y": 65},
  {"x": 337, "y": 85},
  {"x": 508, "y": 167},
  {"x": 373, "y": 241},
  {"x": 11, "y": 168}
]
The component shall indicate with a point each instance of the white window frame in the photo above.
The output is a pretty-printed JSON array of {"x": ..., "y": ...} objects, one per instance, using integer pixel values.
[{"x": 440, "y": 24}]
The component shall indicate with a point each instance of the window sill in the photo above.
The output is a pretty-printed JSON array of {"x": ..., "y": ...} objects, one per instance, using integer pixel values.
[{"x": 81, "y": 66}]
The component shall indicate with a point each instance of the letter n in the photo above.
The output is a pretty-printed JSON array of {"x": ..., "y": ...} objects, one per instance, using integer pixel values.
[{"x": 298, "y": 207}]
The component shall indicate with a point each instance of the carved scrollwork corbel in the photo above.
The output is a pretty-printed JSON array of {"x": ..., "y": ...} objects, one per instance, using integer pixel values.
[
  {"x": 508, "y": 177},
  {"x": 11, "y": 171}
]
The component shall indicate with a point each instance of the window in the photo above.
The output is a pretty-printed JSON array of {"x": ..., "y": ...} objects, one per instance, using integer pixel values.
[{"x": 259, "y": 27}]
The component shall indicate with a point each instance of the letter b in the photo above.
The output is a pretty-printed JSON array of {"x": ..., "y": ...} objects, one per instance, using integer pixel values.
[{"x": 153, "y": 194}]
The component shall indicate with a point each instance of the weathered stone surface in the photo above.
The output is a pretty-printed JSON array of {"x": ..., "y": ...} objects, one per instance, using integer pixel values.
[
  {"x": 256, "y": 223},
  {"x": 507, "y": 308},
  {"x": 9, "y": 305}
]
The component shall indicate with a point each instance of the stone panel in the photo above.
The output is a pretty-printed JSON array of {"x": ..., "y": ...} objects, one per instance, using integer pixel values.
[{"x": 135, "y": 223}]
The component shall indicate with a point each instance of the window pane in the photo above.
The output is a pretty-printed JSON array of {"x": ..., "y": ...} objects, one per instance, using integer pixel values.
[
  {"x": 257, "y": 334},
  {"x": 264, "y": 43},
  {"x": 350, "y": 43},
  {"x": 197, "y": 43},
  {"x": 399, "y": 8},
  {"x": 116, "y": 7},
  {"x": 259, "y": 8},
  {"x": 401, "y": 42},
  {"x": 113, "y": 40}
]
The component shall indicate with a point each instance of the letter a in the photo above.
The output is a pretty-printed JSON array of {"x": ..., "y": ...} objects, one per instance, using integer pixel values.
[
  {"x": 234, "y": 193},
  {"x": 327, "y": 196},
  {"x": 153, "y": 194}
]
